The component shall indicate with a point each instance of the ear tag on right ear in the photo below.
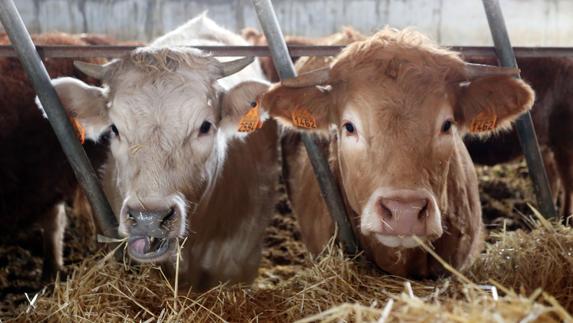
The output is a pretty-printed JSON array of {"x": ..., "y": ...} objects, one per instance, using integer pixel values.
[
  {"x": 78, "y": 129},
  {"x": 302, "y": 118},
  {"x": 251, "y": 120},
  {"x": 484, "y": 121}
]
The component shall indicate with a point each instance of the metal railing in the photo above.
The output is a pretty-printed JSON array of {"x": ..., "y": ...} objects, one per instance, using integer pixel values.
[
  {"x": 116, "y": 51},
  {"x": 523, "y": 125}
]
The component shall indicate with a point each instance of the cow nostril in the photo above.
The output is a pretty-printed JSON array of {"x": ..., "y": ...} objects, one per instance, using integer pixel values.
[
  {"x": 131, "y": 217},
  {"x": 168, "y": 217},
  {"x": 386, "y": 212},
  {"x": 423, "y": 211}
]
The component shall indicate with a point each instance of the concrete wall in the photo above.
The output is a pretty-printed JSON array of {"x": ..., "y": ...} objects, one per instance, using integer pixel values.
[{"x": 451, "y": 22}]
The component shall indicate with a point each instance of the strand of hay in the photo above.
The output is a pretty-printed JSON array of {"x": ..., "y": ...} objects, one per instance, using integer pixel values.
[{"x": 533, "y": 271}]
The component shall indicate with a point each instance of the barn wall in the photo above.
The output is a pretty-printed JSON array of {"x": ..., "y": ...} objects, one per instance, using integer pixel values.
[{"x": 451, "y": 22}]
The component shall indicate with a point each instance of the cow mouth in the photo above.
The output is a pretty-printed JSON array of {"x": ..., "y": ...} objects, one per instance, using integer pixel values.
[
  {"x": 402, "y": 242},
  {"x": 148, "y": 249}
]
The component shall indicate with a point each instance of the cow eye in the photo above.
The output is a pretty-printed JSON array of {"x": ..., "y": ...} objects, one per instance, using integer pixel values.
[
  {"x": 447, "y": 126},
  {"x": 349, "y": 128},
  {"x": 205, "y": 127},
  {"x": 114, "y": 130}
]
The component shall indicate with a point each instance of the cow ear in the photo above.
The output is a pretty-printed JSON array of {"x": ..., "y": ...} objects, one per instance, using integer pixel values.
[
  {"x": 240, "y": 114},
  {"x": 492, "y": 103},
  {"x": 303, "y": 103},
  {"x": 86, "y": 103}
]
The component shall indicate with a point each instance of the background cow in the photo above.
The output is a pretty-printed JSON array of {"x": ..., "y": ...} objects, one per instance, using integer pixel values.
[
  {"x": 399, "y": 105},
  {"x": 178, "y": 169},
  {"x": 552, "y": 114},
  {"x": 35, "y": 177},
  {"x": 344, "y": 37}
]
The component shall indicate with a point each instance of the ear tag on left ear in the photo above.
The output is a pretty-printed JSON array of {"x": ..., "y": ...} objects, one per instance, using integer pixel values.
[
  {"x": 79, "y": 129},
  {"x": 302, "y": 118},
  {"x": 484, "y": 121},
  {"x": 251, "y": 121}
]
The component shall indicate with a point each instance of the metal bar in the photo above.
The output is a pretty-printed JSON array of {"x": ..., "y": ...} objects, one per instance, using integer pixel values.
[
  {"x": 524, "y": 125},
  {"x": 115, "y": 51},
  {"x": 57, "y": 117},
  {"x": 328, "y": 186}
]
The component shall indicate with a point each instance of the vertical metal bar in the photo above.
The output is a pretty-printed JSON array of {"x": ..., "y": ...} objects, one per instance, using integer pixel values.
[
  {"x": 328, "y": 187},
  {"x": 524, "y": 125},
  {"x": 57, "y": 117}
]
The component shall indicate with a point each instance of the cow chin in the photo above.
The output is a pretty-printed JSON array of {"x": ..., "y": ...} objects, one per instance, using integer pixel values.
[
  {"x": 404, "y": 242},
  {"x": 160, "y": 250}
]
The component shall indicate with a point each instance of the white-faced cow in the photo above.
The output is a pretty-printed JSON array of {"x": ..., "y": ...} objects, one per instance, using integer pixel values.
[
  {"x": 392, "y": 110},
  {"x": 178, "y": 168}
]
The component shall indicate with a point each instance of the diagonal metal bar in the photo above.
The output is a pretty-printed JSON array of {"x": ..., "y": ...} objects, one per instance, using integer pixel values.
[
  {"x": 524, "y": 125},
  {"x": 329, "y": 188},
  {"x": 57, "y": 117}
]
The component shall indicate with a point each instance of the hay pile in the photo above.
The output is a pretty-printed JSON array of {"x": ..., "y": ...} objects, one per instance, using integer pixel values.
[{"x": 525, "y": 276}]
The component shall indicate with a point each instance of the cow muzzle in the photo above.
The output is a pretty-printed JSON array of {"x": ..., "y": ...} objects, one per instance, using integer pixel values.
[
  {"x": 394, "y": 217},
  {"x": 152, "y": 230}
]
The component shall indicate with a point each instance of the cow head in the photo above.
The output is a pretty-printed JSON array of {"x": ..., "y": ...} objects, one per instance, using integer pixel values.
[
  {"x": 399, "y": 105},
  {"x": 169, "y": 121}
]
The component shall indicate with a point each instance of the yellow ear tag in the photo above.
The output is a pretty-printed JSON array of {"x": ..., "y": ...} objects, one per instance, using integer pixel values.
[
  {"x": 79, "y": 129},
  {"x": 484, "y": 121},
  {"x": 251, "y": 121},
  {"x": 302, "y": 118}
]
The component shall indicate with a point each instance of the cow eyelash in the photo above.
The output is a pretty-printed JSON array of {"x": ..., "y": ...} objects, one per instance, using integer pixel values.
[
  {"x": 114, "y": 130},
  {"x": 350, "y": 128},
  {"x": 205, "y": 127},
  {"x": 447, "y": 126}
]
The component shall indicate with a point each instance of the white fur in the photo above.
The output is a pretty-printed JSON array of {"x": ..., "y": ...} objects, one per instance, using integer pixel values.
[{"x": 370, "y": 223}]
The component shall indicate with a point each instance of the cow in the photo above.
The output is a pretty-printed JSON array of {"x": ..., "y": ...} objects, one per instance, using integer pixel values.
[
  {"x": 552, "y": 116},
  {"x": 346, "y": 36},
  {"x": 390, "y": 112},
  {"x": 35, "y": 177},
  {"x": 180, "y": 177}
]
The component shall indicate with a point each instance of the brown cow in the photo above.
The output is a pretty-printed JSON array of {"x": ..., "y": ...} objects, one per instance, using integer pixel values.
[
  {"x": 398, "y": 106},
  {"x": 345, "y": 37},
  {"x": 552, "y": 116},
  {"x": 35, "y": 177}
]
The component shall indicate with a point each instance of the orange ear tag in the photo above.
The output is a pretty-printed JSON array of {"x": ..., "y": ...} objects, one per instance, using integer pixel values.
[
  {"x": 302, "y": 118},
  {"x": 251, "y": 121},
  {"x": 79, "y": 129},
  {"x": 484, "y": 121}
]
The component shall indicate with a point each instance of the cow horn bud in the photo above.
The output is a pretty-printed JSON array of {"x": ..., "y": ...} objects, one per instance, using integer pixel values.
[
  {"x": 317, "y": 77},
  {"x": 475, "y": 71},
  {"x": 232, "y": 67},
  {"x": 94, "y": 70}
]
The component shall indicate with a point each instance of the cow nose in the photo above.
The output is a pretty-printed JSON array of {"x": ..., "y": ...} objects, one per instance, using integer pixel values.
[
  {"x": 410, "y": 214},
  {"x": 152, "y": 223}
]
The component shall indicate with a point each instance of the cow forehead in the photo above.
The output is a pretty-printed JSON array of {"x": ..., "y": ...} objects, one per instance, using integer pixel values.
[
  {"x": 173, "y": 102},
  {"x": 391, "y": 105}
]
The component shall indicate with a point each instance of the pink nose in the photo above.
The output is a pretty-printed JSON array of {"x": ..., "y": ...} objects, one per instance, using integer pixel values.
[{"x": 409, "y": 213}]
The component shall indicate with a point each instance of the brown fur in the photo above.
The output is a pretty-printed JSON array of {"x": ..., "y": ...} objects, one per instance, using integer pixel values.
[
  {"x": 344, "y": 37},
  {"x": 35, "y": 177},
  {"x": 396, "y": 81},
  {"x": 552, "y": 117}
]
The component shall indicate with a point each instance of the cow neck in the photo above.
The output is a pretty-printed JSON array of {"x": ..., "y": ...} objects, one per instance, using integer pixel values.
[
  {"x": 334, "y": 164},
  {"x": 219, "y": 160}
]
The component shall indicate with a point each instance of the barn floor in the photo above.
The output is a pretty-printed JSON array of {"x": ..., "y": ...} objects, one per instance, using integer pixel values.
[{"x": 292, "y": 286}]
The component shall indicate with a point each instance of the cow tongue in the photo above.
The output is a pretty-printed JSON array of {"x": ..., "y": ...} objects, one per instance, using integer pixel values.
[{"x": 140, "y": 246}]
